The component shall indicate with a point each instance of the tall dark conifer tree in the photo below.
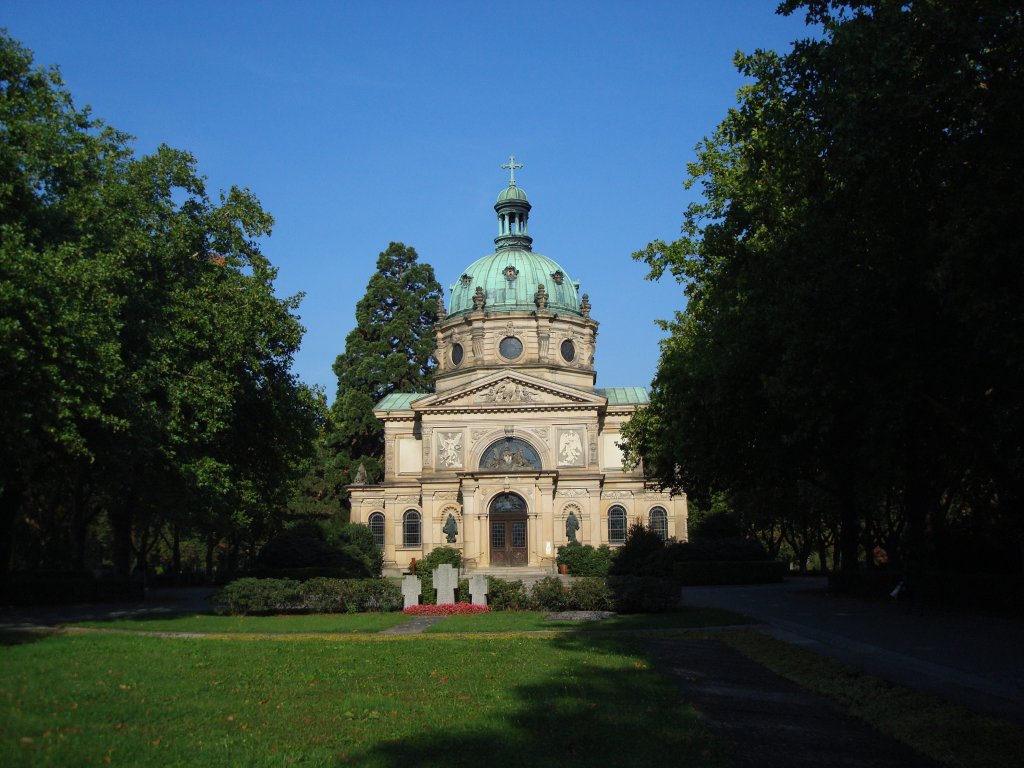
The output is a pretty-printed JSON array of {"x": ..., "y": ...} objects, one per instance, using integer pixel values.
[{"x": 388, "y": 351}]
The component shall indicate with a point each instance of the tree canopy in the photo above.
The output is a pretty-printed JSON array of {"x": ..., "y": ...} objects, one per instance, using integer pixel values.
[
  {"x": 851, "y": 349},
  {"x": 389, "y": 350},
  {"x": 148, "y": 390}
]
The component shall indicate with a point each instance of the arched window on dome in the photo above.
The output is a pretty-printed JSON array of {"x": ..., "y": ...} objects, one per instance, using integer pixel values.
[
  {"x": 616, "y": 525},
  {"x": 411, "y": 528},
  {"x": 658, "y": 522},
  {"x": 376, "y": 523}
]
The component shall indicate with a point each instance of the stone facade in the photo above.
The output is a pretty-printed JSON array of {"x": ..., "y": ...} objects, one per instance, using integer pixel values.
[{"x": 516, "y": 437}]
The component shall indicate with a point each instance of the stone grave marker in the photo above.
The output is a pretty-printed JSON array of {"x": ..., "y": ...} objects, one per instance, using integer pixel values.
[
  {"x": 411, "y": 590},
  {"x": 478, "y": 589},
  {"x": 446, "y": 581}
]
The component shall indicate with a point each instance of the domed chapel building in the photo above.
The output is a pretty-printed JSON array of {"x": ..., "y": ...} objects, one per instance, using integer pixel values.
[{"x": 515, "y": 452}]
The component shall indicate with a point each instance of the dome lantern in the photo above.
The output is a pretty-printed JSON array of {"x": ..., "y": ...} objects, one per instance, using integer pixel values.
[{"x": 513, "y": 213}]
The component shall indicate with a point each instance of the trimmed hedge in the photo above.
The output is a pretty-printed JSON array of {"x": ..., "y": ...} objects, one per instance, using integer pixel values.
[
  {"x": 319, "y": 595},
  {"x": 697, "y": 573}
]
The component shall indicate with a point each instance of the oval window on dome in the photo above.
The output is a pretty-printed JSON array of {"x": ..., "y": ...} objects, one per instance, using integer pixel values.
[
  {"x": 457, "y": 354},
  {"x": 510, "y": 347},
  {"x": 568, "y": 351}
]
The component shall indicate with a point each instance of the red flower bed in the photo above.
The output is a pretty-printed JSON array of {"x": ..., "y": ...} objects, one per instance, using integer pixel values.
[{"x": 445, "y": 609}]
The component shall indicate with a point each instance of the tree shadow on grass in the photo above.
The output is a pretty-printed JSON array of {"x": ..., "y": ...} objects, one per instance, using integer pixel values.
[
  {"x": 23, "y": 636},
  {"x": 591, "y": 712}
]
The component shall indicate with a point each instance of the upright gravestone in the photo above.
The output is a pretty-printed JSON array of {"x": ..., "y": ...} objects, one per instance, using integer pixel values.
[
  {"x": 446, "y": 579},
  {"x": 411, "y": 590},
  {"x": 478, "y": 589}
]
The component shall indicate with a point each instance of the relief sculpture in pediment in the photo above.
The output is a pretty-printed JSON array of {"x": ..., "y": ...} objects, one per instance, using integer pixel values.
[{"x": 507, "y": 391}]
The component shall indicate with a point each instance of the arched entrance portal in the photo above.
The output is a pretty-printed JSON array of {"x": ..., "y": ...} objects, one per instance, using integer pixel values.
[{"x": 508, "y": 530}]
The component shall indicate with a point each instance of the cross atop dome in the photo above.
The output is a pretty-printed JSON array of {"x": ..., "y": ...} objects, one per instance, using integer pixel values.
[{"x": 511, "y": 165}]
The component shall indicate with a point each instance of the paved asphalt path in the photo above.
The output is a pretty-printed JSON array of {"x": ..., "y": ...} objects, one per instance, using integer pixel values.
[{"x": 976, "y": 661}]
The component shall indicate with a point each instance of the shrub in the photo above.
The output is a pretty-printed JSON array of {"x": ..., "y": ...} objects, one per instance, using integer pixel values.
[
  {"x": 644, "y": 594},
  {"x": 345, "y": 552},
  {"x": 259, "y": 596},
  {"x": 364, "y": 595},
  {"x": 319, "y": 595},
  {"x": 590, "y": 594},
  {"x": 585, "y": 560},
  {"x": 641, "y": 545},
  {"x": 549, "y": 594},
  {"x": 505, "y": 595},
  {"x": 360, "y": 538}
]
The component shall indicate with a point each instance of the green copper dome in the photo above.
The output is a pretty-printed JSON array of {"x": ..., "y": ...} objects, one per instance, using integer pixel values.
[
  {"x": 514, "y": 278},
  {"x": 512, "y": 193},
  {"x": 510, "y": 279}
]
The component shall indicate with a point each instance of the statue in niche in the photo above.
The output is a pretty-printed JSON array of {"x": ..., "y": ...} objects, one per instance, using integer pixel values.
[
  {"x": 451, "y": 528},
  {"x": 360, "y": 475},
  {"x": 572, "y": 524}
]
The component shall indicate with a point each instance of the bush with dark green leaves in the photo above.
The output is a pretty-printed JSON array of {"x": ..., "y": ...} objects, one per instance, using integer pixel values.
[
  {"x": 641, "y": 553},
  {"x": 585, "y": 560},
  {"x": 348, "y": 551},
  {"x": 644, "y": 594},
  {"x": 318, "y": 595},
  {"x": 259, "y": 596},
  {"x": 591, "y": 594},
  {"x": 503, "y": 595},
  {"x": 550, "y": 594}
]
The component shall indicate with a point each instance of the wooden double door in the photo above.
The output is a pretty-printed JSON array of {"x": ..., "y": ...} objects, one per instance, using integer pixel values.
[
  {"x": 507, "y": 516},
  {"x": 508, "y": 540}
]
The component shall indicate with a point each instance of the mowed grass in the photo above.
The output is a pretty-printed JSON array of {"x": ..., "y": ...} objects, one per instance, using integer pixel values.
[
  {"x": 341, "y": 623},
  {"x": 532, "y": 621},
  {"x": 537, "y": 700}
]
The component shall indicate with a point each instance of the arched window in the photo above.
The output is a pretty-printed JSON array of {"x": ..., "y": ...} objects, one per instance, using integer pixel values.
[
  {"x": 616, "y": 525},
  {"x": 377, "y": 528},
  {"x": 658, "y": 522},
  {"x": 411, "y": 528}
]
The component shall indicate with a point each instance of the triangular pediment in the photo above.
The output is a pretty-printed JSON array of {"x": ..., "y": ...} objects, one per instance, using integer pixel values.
[{"x": 507, "y": 390}]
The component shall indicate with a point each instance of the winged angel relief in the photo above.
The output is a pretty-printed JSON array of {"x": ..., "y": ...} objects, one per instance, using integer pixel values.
[{"x": 449, "y": 449}]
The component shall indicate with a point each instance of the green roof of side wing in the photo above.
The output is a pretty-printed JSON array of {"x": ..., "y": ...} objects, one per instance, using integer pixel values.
[
  {"x": 625, "y": 395},
  {"x": 399, "y": 401}
]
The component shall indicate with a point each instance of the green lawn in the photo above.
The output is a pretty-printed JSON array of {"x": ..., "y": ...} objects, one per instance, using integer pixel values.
[
  {"x": 529, "y": 621},
  {"x": 343, "y": 623},
  {"x": 372, "y": 701}
]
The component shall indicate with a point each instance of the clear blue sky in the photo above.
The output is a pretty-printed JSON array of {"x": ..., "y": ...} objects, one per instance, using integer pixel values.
[{"x": 361, "y": 123}]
